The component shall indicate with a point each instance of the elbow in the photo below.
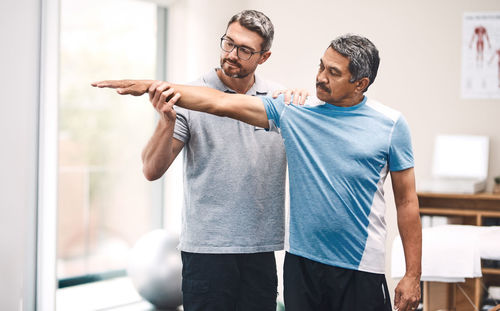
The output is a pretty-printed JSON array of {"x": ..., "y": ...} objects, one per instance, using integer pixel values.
[
  {"x": 150, "y": 173},
  {"x": 153, "y": 168},
  {"x": 218, "y": 110},
  {"x": 221, "y": 106}
]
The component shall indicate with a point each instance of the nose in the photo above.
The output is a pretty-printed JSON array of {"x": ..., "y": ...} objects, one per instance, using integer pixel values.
[
  {"x": 233, "y": 54},
  {"x": 321, "y": 77}
]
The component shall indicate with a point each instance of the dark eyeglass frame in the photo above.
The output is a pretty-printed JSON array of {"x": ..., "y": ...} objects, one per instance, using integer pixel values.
[{"x": 224, "y": 38}]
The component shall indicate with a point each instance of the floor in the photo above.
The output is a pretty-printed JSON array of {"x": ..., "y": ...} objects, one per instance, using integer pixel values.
[{"x": 112, "y": 295}]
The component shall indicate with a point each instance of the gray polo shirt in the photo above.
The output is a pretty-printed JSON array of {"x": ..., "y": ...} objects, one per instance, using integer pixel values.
[{"x": 234, "y": 180}]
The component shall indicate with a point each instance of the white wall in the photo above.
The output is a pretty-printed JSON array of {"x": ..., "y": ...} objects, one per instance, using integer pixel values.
[
  {"x": 419, "y": 43},
  {"x": 194, "y": 29},
  {"x": 19, "y": 63}
]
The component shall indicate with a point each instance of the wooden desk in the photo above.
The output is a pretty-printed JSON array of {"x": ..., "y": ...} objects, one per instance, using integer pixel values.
[{"x": 468, "y": 209}]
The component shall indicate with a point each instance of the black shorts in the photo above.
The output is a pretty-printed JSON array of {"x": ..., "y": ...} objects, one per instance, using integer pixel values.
[
  {"x": 229, "y": 282},
  {"x": 310, "y": 285}
]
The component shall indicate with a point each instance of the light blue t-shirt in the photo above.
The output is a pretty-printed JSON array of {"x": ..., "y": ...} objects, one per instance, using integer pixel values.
[{"x": 338, "y": 159}]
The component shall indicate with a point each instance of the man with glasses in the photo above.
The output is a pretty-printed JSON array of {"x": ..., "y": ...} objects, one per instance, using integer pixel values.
[{"x": 233, "y": 214}]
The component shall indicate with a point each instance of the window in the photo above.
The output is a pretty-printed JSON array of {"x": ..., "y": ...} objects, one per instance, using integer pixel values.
[{"x": 104, "y": 202}]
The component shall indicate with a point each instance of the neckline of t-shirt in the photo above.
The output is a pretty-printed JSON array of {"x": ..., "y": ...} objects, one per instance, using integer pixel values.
[{"x": 350, "y": 108}]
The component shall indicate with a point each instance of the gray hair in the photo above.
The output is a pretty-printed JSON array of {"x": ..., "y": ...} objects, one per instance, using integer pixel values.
[
  {"x": 258, "y": 22},
  {"x": 362, "y": 54}
]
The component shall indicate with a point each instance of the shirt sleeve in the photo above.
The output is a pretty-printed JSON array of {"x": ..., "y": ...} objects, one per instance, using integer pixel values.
[
  {"x": 181, "y": 129},
  {"x": 401, "y": 151},
  {"x": 274, "y": 110}
]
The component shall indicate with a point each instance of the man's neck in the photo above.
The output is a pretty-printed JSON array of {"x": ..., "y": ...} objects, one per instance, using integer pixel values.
[
  {"x": 239, "y": 85},
  {"x": 349, "y": 102}
]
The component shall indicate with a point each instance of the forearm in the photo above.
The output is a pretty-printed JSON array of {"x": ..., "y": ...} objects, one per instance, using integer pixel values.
[
  {"x": 248, "y": 109},
  {"x": 158, "y": 154},
  {"x": 410, "y": 230}
]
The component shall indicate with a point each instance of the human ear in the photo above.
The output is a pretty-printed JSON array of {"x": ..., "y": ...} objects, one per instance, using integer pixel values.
[
  {"x": 264, "y": 56},
  {"x": 362, "y": 84}
]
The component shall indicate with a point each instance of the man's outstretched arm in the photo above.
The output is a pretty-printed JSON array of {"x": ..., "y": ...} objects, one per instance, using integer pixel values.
[{"x": 248, "y": 109}]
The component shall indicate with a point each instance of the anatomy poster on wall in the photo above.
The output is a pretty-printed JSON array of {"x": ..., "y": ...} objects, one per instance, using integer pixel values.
[{"x": 481, "y": 55}]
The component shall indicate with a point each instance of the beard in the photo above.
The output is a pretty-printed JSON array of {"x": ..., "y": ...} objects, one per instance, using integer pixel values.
[{"x": 228, "y": 71}]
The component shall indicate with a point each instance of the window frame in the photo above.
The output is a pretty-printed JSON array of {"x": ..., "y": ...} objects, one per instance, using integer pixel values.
[{"x": 46, "y": 281}]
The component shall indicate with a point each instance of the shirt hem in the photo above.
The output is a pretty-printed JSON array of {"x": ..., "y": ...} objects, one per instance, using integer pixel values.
[
  {"x": 402, "y": 167},
  {"x": 337, "y": 264},
  {"x": 180, "y": 137},
  {"x": 230, "y": 249}
]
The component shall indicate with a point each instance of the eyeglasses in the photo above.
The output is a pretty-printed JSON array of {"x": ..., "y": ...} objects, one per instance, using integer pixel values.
[{"x": 242, "y": 52}]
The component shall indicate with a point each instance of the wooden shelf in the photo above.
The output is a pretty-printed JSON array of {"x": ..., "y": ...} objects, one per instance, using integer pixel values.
[
  {"x": 450, "y": 212},
  {"x": 472, "y": 202},
  {"x": 471, "y": 209},
  {"x": 492, "y": 271},
  {"x": 476, "y": 196}
]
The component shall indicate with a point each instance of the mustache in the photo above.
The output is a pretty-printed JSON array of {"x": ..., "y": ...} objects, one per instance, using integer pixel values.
[
  {"x": 323, "y": 87},
  {"x": 231, "y": 62}
]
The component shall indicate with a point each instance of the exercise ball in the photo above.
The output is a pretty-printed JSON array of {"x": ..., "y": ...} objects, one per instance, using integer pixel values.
[{"x": 155, "y": 269}]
